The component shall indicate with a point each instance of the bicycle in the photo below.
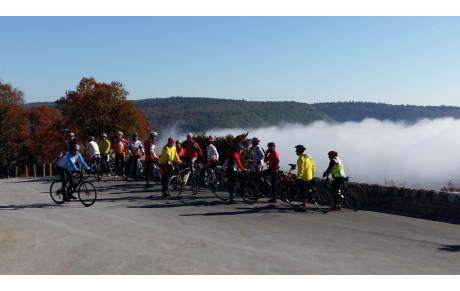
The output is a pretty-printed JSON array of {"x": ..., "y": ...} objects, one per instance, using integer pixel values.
[
  {"x": 354, "y": 196},
  {"x": 221, "y": 189},
  {"x": 87, "y": 193},
  {"x": 263, "y": 183},
  {"x": 95, "y": 167},
  {"x": 287, "y": 191},
  {"x": 181, "y": 180},
  {"x": 154, "y": 173}
]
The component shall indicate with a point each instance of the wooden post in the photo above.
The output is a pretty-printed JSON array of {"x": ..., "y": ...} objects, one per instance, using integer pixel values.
[
  {"x": 51, "y": 170},
  {"x": 44, "y": 170},
  {"x": 27, "y": 171},
  {"x": 16, "y": 168},
  {"x": 35, "y": 171}
]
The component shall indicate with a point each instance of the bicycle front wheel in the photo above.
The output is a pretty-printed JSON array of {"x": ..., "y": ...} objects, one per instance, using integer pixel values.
[
  {"x": 219, "y": 188},
  {"x": 192, "y": 184},
  {"x": 250, "y": 194},
  {"x": 355, "y": 197},
  {"x": 291, "y": 194},
  {"x": 323, "y": 199},
  {"x": 57, "y": 193},
  {"x": 174, "y": 186},
  {"x": 87, "y": 193},
  {"x": 97, "y": 172}
]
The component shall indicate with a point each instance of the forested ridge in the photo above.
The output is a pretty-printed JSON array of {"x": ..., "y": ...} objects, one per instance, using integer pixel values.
[{"x": 197, "y": 114}]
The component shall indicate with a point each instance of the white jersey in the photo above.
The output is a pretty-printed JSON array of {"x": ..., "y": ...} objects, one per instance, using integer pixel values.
[
  {"x": 92, "y": 149},
  {"x": 212, "y": 153}
]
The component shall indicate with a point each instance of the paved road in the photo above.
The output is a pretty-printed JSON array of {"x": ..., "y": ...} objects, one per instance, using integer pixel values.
[{"x": 129, "y": 231}]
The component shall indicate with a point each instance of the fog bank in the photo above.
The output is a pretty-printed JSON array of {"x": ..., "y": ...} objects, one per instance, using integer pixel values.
[{"x": 420, "y": 155}]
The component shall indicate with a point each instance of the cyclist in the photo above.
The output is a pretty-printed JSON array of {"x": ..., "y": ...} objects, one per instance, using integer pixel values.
[
  {"x": 119, "y": 147},
  {"x": 234, "y": 168},
  {"x": 70, "y": 142},
  {"x": 66, "y": 165},
  {"x": 212, "y": 156},
  {"x": 257, "y": 155},
  {"x": 180, "y": 150},
  {"x": 104, "y": 148},
  {"x": 135, "y": 151},
  {"x": 150, "y": 155},
  {"x": 167, "y": 157},
  {"x": 335, "y": 169},
  {"x": 192, "y": 150},
  {"x": 305, "y": 170},
  {"x": 91, "y": 151},
  {"x": 273, "y": 159}
]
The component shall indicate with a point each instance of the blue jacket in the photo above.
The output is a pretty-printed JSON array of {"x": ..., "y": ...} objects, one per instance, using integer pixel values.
[{"x": 68, "y": 162}]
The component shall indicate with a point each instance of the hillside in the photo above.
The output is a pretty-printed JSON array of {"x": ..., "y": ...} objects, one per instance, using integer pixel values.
[
  {"x": 357, "y": 111},
  {"x": 200, "y": 114}
]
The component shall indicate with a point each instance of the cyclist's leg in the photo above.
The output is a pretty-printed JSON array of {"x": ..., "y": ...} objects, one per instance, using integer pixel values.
[
  {"x": 335, "y": 185},
  {"x": 231, "y": 183},
  {"x": 147, "y": 172},
  {"x": 302, "y": 191}
]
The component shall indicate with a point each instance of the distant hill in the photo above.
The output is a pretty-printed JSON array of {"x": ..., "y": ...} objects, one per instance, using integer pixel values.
[
  {"x": 357, "y": 111},
  {"x": 197, "y": 115},
  {"x": 200, "y": 114}
]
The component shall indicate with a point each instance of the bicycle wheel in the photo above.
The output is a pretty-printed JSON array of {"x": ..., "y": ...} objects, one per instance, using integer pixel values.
[
  {"x": 250, "y": 194},
  {"x": 219, "y": 187},
  {"x": 156, "y": 175},
  {"x": 323, "y": 199},
  {"x": 87, "y": 193},
  {"x": 291, "y": 194},
  {"x": 355, "y": 197},
  {"x": 192, "y": 184},
  {"x": 97, "y": 172},
  {"x": 174, "y": 186},
  {"x": 56, "y": 192}
]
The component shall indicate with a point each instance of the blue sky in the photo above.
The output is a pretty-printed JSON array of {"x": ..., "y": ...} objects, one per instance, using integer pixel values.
[{"x": 395, "y": 60}]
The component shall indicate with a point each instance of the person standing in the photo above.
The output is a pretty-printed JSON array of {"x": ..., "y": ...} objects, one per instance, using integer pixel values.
[
  {"x": 150, "y": 155},
  {"x": 234, "y": 168},
  {"x": 104, "y": 148},
  {"x": 71, "y": 142},
  {"x": 119, "y": 147},
  {"x": 167, "y": 157},
  {"x": 257, "y": 155},
  {"x": 305, "y": 171},
  {"x": 336, "y": 170},
  {"x": 135, "y": 151},
  {"x": 273, "y": 159}
]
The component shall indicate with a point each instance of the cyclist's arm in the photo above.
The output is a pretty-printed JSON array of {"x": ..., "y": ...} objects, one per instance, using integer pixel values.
[{"x": 81, "y": 161}]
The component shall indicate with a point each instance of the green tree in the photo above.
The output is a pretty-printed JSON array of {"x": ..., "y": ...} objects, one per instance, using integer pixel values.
[{"x": 94, "y": 108}]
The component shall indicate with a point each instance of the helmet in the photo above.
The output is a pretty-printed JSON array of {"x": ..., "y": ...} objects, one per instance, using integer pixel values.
[
  {"x": 271, "y": 144},
  {"x": 104, "y": 135},
  {"x": 71, "y": 134},
  {"x": 75, "y": 147},
  {"x": 209, "y": 139},
  {"x": 177, "y": 141},
  {"x": 171, "y": 139},
  {"x": 256, "y": 139},
  {"x": 91, "y": 138},
  {"x": 300, "y": 148},
  {"x": 120, "y": 133},
  {"x": 135, "y": 134},
  {"x": 238, "y": 146},
  {"x": 153, "y": 134},
  {"x": 332, "y": 154},
  {"x": 189, "y": 135}
]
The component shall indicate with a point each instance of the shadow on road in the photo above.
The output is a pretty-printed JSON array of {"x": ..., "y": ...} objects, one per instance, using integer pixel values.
[{"x": 450, "y": 248}]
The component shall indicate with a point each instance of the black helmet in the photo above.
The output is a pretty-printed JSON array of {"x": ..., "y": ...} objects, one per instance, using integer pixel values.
[
  {"x": 91, "y": 138},
  {"x": 238, "y": 146},
  {"x": 135, "y": 134},
  {"x": 153, "y": 134},
  {"x": 300, "y": 148},
  {"x": 75, "y": 147},
  {"x": 271, "y": 144}
]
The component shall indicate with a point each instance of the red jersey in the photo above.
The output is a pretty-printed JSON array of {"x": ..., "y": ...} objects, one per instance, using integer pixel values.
[
  {"x": 273, "y": 160},
  {"x": 120, "y": 146}
]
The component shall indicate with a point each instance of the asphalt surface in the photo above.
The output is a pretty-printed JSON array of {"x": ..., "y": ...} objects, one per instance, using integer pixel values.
[{"x": 132, "y": 231}]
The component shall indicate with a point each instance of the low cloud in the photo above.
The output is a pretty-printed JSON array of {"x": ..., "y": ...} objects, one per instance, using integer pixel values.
[{"x": 420, "y": 155}]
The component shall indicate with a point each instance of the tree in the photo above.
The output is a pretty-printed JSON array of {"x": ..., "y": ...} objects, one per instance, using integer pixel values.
[
  {"x": 45, "y": 140},
  {"x": 94, "y": 108},
  {"x": 13, "y": 124}
]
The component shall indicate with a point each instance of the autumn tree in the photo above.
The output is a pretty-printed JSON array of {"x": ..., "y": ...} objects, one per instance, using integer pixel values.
[
  {"x": 45, "y": 141},
  {"x": 13, "y": 124},
  {"x": 94, "y": 108}
]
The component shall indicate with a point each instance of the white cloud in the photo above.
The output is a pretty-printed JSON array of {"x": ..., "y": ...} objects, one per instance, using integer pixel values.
[{"x": 420, "y": 155}]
